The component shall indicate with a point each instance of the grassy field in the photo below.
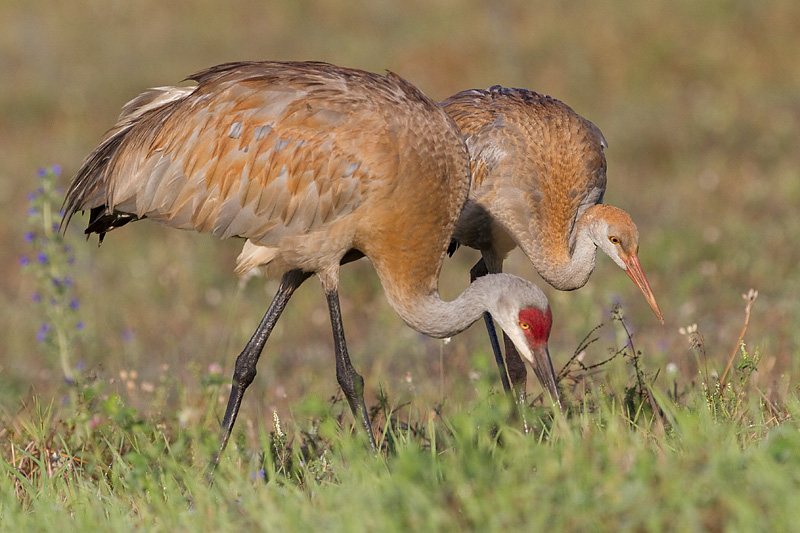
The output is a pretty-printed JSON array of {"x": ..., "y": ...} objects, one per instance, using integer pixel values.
[{"x": 700, "y": 103}]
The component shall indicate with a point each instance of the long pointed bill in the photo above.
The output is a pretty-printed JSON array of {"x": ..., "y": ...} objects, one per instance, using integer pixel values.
[
  {"x": 543, "y": 368},
  {"x": 635, "y": 272}
]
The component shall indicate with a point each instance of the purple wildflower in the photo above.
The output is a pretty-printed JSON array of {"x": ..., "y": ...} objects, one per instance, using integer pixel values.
[
  {"x": 258, "y": 475},
  {"x": 41, "y": 335},
  {"x": 36, "y": 297},
  {"x": 79, "y": 325},
  {"x": 127, "y": 335},
  {"x": 24, "y": 261},
  {"x": 57, "y": 169},
  {"x": 42, "y": 258},
  {"x": 55, "y": 227},
  {"x": 33, "y": 211},
  {"x": 74, "y": 304},
  {"x": 29, "y": 236},
  {"x": 31, "y": 196},
  {"x": 41, "y": 172}
]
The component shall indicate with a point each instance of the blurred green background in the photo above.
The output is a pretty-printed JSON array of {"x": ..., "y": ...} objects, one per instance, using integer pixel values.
[{"x": 700, "y": 103}]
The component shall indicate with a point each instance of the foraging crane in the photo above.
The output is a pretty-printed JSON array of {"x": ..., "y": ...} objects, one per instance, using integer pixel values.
[
  {"x": 538, "y": 179},
  {"x": 314, "y": 165}
]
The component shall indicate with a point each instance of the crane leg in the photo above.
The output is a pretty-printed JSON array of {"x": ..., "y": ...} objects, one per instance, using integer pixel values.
[
  {"x": 476, "y": 272},
  {"x": 517, "y": 372},
  {"x": 245, "y": 369},
  {"x": 351, "y": 382},
  {"x": 498, "y": 354},
  {"x": 513, "y": 373}
]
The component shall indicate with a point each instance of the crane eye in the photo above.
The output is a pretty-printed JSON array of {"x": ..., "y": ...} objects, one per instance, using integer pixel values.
[
  {"x": 614, "y": 239},
  {"x": 524, "y": 325}
]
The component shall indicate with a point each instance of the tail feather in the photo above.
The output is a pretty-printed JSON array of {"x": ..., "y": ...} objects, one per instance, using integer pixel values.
[
  {"x": 89, "y": 183},
  {"x": 451, "y": 249},
  {"x": 89, "y": 186},
  {"x": 101, "y": 222}
]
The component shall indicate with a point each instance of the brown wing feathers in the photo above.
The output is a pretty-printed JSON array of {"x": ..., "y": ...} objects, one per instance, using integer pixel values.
[{"x": 210, "y": 158}]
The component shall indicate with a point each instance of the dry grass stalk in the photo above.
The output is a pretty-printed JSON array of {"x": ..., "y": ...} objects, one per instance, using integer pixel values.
[{"x": 750, "y": 298}]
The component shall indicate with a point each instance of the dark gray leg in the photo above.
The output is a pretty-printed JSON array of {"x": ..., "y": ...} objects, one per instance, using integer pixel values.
[
  {"x": 516, "y": 370},
  {"x": 476, "y": 272},
  {"x": 245, "y": 369},
  {"x": 351, "y": 382}
]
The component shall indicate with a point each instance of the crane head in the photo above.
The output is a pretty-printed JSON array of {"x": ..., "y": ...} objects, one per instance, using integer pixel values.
[
  {"x": 528, "y": 325},
  {"x": 535, "y": 326},
  {"x": 614, "y": 232}
]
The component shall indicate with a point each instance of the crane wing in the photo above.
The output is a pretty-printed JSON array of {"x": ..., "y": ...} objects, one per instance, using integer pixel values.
[{"x": 254, "y": 150}]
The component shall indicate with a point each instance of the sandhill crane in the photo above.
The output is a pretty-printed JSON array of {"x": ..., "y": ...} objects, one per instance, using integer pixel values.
[
  {"x": 538, "y": 179},
  {"x": 314, "y": 165}
]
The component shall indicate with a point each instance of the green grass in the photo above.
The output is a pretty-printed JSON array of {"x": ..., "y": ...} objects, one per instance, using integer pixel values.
[
  {"x": 699, "y": 104},
  {"x": 716, "y": 462}
]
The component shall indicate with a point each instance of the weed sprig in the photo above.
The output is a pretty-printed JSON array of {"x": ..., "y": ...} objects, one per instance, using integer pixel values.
[{"x": 52, "y": 263}]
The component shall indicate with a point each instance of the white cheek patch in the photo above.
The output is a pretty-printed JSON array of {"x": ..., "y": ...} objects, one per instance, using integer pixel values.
[
  {"x": 611, "y": 250},
  {"x": 521, "y": 343}
]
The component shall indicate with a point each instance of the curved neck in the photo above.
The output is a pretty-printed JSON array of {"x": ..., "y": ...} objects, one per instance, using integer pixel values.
[
  {"x": 568, "y": 266},
  {"x": 427, "y": 313}
]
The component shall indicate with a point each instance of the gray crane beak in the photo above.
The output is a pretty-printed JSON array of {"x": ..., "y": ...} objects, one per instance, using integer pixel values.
[
  {"x": 543, "y": 368},
  {"x": 635, "y": 272}
]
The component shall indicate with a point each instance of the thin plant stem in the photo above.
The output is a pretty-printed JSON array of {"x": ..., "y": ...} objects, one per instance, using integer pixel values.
[{"x": 750, "y": 298}]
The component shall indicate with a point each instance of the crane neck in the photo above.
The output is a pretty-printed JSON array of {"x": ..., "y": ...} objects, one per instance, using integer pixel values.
[
  {"x": 426, "y": 312},
  {"x": 567, "y": 265}
]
